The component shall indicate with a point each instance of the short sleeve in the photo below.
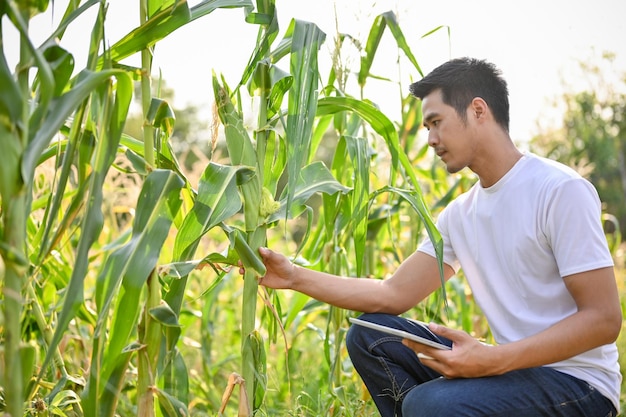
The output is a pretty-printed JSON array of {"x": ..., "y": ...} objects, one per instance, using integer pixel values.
[
  {"x": 449, "y": 257},
  {"x": 574, "y": 228}
]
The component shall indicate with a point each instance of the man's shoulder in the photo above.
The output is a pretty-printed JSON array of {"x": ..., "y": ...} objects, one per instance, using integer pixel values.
[
  {"x": 553, "y": 180},
  {"x": 545, "y": 167}
]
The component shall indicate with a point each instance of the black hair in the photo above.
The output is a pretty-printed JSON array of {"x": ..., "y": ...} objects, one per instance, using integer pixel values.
[{"x": 461, "y": 80}]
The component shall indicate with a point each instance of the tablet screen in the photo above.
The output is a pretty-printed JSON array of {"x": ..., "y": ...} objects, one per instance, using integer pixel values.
[{"x": 402, "y": 333}]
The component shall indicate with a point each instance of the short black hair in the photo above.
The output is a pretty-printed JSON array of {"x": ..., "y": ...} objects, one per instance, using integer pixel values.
[{"x": 461, "y": 80}]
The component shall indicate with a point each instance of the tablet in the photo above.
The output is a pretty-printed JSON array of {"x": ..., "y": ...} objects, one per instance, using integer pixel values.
[{"x": 402, "y": 333}]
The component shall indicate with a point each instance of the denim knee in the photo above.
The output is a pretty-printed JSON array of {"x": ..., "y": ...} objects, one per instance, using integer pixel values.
[
  {"x": 420, "y": 402},
  {"x": 356, "y": 338}
]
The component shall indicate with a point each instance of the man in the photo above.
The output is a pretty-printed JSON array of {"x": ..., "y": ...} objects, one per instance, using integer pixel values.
[{"x": 530, "y": 241}]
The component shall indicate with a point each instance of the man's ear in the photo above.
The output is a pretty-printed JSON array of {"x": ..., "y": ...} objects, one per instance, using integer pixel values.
[{"x": 478, "y": 107}]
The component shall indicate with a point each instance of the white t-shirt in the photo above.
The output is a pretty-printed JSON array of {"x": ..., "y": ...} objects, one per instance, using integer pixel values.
[{"x": 516, "y": 240}]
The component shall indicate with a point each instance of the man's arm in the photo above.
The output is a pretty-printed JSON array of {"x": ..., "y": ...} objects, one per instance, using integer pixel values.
[
  {"x": 414, "y": 280},
  {"x": 597, "y": 322}
]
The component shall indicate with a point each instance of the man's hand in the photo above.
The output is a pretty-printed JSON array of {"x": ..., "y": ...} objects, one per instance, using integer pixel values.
[
  {"x": 468, "y": 358},
  {"x": 280, "y": 271}
]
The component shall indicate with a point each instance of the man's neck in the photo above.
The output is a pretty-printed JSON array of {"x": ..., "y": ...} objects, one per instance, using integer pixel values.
[{"x": 496, "y": 164}]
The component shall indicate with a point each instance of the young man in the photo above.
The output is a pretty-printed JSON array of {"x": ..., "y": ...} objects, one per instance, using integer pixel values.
[{"x": 530, "y": 241}]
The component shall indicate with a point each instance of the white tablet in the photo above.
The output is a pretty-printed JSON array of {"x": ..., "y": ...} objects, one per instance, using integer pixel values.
[{"x": 402, "y": 333}]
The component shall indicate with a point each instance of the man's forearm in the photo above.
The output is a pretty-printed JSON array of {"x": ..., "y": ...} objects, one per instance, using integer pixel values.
[
  {"x": 581, "y": 332},
  {"x": 358, "y": 294}
]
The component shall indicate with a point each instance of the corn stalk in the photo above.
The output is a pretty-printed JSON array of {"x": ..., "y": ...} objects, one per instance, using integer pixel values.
[
  {"x": 58, "y": 240},
  {"x": 78, "y": 120}
]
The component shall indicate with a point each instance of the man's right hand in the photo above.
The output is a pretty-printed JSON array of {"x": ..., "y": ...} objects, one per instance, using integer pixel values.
[{"x": 280, "y": 270}]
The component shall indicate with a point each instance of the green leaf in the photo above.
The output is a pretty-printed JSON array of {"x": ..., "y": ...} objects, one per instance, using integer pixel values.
[
  {"x": 163, "y": 22},
  {"x": 359, "y": 198},
  {"x": 155, "y": 6},
  {"x": 11, "y": 100},
  {"x": 133, "y": 262},
  {"x": 10, "y": 178},
  {"x": 171, "y": 406},
  {"x": 209, "y": 6},
  {"x": 416, "y": 201},
  {"x": 175, "y": 384},
  {"x": 217, "y": 200},
  {"x": 306, "y": 39},
  {"x": 401, "y": 40},
  {"x": 314, "y": 178},
  {"x": 275, "y": 81},
  {"x": 241, "y": 152},
  {"x": 93, "y": 220},
  {"x": 267, "y": 19},
  {"x": 384, "y": 127},
  {"x": 161, "y": 116},
  {"x": 157, "y": 27},
  {"x": 63, "y": 106},
  {"x": 240, "y": 148},
  {"x": 164, "y": 315},
  {"x": 45, "y": 75},
  {"x": 62, "y": 65},
  {"x": 373, "y": 41}
]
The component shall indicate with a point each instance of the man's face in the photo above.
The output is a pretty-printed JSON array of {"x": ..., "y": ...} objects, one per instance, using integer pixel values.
[{"x": 448, "y": 134}]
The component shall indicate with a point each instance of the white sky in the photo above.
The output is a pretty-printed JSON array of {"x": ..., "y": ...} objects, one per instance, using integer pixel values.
[{"x": 536, "y": 43}]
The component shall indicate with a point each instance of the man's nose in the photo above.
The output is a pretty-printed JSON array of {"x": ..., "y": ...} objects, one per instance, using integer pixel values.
[{"x": 433, "y": 139}]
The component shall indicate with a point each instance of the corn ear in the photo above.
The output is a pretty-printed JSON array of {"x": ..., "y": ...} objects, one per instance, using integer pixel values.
[
  {"x": 250, "y": 260},
  {"x": 254, "y": 348}
]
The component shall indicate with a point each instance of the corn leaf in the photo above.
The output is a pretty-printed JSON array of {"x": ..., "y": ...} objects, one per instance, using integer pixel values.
[
  {"x": 11, "y": 101},
  {"x": 240, "y": 150},
  {"x": 176, "y": 384},
  {"x": 314, "y": 178},
  {"x": 170, "y": 406},
  {"x": 217, "y": 200},
  {"x": 45, "y": 75},
  {"x": 416, "y": 202},
  {"x": 274, "y": 81},
  {"x": 359, "y": 198},
  {"x": 384, "y": 127},
  {"x": 92, "y": 222},
  {"x": 209, "y": 6},
  {"x": 373, "y": 41},
  {"x": 268, "y": 30},
  {"x": 158, "y": 204},
  {"x": 72, "y": 12},
  {"x": 306, "y": 39},
  {"x": 132, "y": 263},
  {"x": 155, "y": 6},
  {"x": 157, "y": 27},
  {"x": 63, "y": 106},
  {"x": 163, "y": 22}
]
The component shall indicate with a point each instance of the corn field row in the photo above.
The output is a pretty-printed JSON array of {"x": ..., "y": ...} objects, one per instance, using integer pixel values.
[{"x": 119, "y": 295}]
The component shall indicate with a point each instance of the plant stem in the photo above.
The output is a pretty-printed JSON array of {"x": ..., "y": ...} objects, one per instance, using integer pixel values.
[
  {"x": 150, "y": 337},
  {"x": 256, "y": 239},
  {"x": 15, "y": 269},
  {"x": 149, "y": 330},
  {"x": 146, "y": 92}
]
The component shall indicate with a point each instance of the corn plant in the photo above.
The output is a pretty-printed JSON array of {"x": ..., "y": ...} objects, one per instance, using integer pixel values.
[
  {"x": 284, "y": 144},
  {"x": 74, "y": 119},
  {"x": 87, "y": 285}
]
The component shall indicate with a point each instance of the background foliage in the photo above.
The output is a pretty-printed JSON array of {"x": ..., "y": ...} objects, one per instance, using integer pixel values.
[{"x": 118, "y": 232}]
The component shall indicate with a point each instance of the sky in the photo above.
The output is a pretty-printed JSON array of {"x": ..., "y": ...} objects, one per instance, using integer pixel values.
[{"x": 537, "y": 44}]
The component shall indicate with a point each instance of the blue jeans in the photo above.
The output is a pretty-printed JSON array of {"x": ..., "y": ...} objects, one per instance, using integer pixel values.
[{"x": 401, "y": 386}]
